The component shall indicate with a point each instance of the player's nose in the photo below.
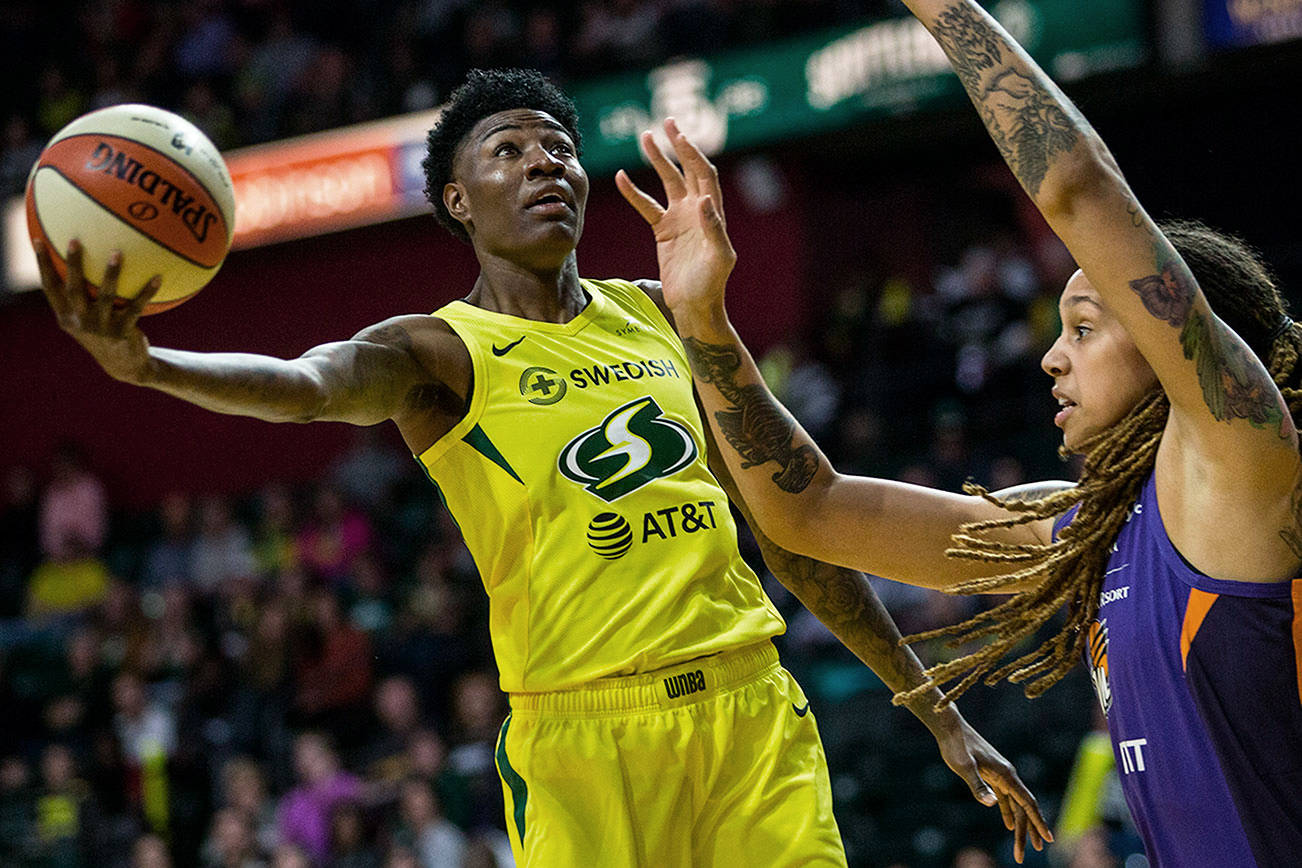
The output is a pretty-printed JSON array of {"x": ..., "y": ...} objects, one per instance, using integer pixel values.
[
  {"x": 542, "y": 163},
  {"x": 1055, "y": 362}
]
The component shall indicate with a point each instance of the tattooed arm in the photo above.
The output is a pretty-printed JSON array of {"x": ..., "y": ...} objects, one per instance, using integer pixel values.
[
  {"x": 884, "y": 528},
  {"x": 380, "y": 374},
  {"x": 845, "y": 602},
  {"x": 1230, "y": 447}
]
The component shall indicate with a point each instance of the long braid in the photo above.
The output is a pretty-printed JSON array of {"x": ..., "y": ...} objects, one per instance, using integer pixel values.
[{"x": 1069, "y": 571}]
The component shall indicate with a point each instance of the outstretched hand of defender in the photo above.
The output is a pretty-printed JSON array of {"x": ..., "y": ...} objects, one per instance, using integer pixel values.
[
  {"x": 988, "y": 774},
  {"x": 692, "y": 245},
  {"x": 101, "y": 322}
]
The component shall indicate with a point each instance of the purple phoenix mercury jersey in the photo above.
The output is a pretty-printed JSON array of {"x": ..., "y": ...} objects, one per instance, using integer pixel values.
[{"x": 1200, "y": 683}]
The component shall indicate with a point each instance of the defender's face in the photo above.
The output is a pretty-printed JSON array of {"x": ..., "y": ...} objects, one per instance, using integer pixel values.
[
  {"x": 518, "y": 188},
  {"x": 1098, "y": 373}
]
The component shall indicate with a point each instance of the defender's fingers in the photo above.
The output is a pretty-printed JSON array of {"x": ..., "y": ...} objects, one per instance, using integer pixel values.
[
  {"x": 1006, "y": 811},
  {"x": 51, "y": 284},
  {"x": 672, "y": 179},
  {"x": 136, "y": 306},
  {"x": 700, "y": 173},
  {"x": 1019, "y": 838},
  {"x": 1011, "y": 783},
  {"x": 643, "y": 204}
]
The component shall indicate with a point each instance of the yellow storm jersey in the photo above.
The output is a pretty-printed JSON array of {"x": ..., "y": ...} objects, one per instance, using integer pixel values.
[{"x": 579, "y": 481}]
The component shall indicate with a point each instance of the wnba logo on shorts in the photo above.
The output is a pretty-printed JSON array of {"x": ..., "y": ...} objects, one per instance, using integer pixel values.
[{"x": 685, "y": 684}]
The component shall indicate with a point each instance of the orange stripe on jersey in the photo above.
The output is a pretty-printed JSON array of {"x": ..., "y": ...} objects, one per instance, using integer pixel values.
[
  {"x": 1200, "y": 603},
  {"x": 1297, "y": 634}
]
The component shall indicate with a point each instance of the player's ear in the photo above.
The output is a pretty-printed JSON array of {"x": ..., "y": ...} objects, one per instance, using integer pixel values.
[{"x": 454, "y": 199}]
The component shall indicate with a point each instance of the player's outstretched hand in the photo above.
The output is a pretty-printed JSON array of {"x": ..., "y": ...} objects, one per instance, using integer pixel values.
[
  {"x": 691, "y": 234},
  {"x": 993, "y": 780},
  {"x": 102, "y": 324}
]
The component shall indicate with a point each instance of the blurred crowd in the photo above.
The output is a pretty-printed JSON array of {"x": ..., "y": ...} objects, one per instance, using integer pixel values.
[
  {"x": 248, "y": 71},
  {"x": 302, "y": 675}
]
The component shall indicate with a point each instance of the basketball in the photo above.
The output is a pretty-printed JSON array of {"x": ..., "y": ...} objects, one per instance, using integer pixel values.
[{"x": 141, "y": 180}]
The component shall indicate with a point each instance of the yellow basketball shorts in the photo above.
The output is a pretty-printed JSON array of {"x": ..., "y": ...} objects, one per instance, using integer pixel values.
[{"x": 715, "y": 762}]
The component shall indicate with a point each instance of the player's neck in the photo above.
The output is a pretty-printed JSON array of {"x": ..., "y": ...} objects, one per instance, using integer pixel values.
[{"x": 550, "y": 295}]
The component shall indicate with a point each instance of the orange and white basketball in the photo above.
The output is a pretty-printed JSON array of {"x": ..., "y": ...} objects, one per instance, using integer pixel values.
[{"x": 141, "y": 180}]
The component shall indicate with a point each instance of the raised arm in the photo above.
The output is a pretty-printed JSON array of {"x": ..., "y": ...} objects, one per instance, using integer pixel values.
[
  {"x": 880, "y": 527},
  {"x": 1226, "y": 414},
  {"x": 375, "y": 376}
]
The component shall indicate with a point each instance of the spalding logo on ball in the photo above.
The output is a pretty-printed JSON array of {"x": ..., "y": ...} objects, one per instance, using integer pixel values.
[{"x": 141, "y": 180}]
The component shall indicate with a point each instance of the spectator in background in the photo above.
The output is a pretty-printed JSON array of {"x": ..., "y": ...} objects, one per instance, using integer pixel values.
[
  {"x": 222, "y": 551},
  {"x": 370, "y": 609},
  {"x": 231, "y": 843},
  {"x": 478, "y": 711},
  {"x": 74, "y": 509},
  {"x": 398, "y": 717},
  {"x": 168, "y": 557},
  {"x": 350, "y": 843},
  {"x": 366, "y": 474},
  {"x": 333, "y": 681},
  {"x": 66, "y": 815},
  {"x": 334, "y": 536},
  {"x": 147, "y": 732},
  {"x": 150, "y": 851},
  {"x": 18, "y": 836},
  {"x": 274, "y": 545},
  {"x": 306, "y": 810},
  {"x": 427, "y": 757},
  {"x": 244, "y": 788},
  {"x": 438, "y": 843}
]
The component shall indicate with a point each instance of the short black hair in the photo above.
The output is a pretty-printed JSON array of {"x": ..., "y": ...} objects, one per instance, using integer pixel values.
[{"x": 487, "y": 92}]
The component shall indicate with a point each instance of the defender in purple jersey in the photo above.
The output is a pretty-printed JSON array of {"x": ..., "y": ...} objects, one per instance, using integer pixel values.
[{"x": 1179, "y": 549}]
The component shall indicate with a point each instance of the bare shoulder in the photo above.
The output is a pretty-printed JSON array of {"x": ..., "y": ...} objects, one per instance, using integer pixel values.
[{"x": 428, "y": 340}]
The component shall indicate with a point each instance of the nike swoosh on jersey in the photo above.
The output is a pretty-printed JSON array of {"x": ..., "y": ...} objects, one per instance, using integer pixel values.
[
  {"x": 800, "y": 712},
  {"x": 501, "y": 351}
]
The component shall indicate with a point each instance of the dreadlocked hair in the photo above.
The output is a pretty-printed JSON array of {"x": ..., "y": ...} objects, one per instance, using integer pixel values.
[{"x": 1069, "y": 571}]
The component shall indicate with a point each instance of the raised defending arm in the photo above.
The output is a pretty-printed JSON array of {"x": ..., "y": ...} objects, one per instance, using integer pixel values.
[{"x": 1211, "y": 377}]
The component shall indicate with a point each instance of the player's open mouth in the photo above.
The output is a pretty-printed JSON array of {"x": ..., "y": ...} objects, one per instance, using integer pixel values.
[
  {"x": 1067, "y": 406},
  {"x": 549, "y": 203}
]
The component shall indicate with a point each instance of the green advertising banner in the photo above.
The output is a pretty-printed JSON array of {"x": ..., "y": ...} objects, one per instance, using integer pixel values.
[{"x": 804, "y": 86}]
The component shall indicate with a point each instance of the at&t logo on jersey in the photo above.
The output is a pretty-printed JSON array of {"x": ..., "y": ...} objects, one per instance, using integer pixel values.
[
  {"x": 610, "y": 536},
  {"x": 632, "y": 446}
]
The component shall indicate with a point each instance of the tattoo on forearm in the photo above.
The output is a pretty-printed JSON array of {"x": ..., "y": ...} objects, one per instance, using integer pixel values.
[
  {"x": 1029, "y": 122},
  {"x": 845, "y": 602},
  {"x": 754, "y": 425}
]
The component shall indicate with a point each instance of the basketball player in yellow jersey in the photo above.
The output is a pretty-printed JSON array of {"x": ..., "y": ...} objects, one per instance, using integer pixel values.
[{"x": 651, "y": 724}]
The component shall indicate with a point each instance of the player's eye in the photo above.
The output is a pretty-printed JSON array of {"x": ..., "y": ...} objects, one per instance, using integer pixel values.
[
  {"x": 562, "y": 148},
  {"x": 505, "y": 149},
  {"x": 1081, "y": 331}
]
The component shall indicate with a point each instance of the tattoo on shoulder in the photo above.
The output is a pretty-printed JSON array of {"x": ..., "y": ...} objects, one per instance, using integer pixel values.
[{"x": 754, "y": 424}]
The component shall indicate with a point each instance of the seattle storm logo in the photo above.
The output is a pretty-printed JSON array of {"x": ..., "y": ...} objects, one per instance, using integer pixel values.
[{"x": 632, "y": 446}]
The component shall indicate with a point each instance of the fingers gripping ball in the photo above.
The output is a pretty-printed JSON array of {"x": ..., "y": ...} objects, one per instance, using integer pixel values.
[{"x": 141, "y": 180}]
